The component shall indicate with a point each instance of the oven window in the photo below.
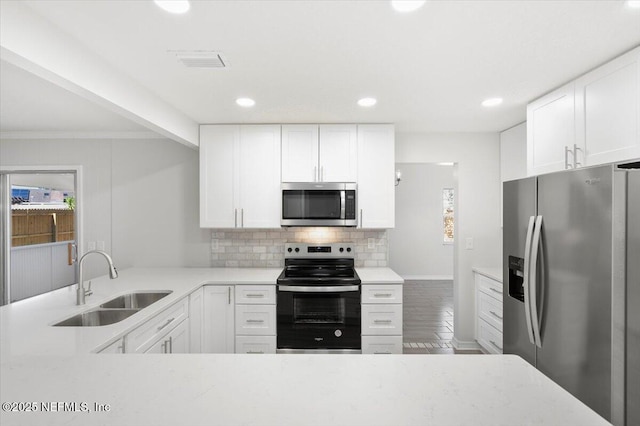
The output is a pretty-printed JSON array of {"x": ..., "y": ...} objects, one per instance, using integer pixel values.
[
  {"x": 315, "y": 204},
  {"x": 317, "y": 309}
]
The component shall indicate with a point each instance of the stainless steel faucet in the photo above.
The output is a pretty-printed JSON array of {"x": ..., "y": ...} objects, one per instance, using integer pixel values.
[{"x": 82, "y": 293}]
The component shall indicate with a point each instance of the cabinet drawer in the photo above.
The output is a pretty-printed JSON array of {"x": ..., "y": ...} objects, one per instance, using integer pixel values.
[
  {"x": 489, "y": 338},
  {"x": 255, "y": 344},
  {"x": 256, "y": 294},
  {"x": 149, "y": 332},
  {"x": 255, "y": 320},
  {"x": 490, "y": 310},
  {"x": 489, "y": 286},
  {"x": 382, "y": 293},
  {"x": 381, "y": 344},
  {"x": 384, "y": 320}
]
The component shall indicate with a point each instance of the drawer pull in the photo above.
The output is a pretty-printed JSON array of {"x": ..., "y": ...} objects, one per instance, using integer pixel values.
[
  {"x": 494, "y": 290},
  {"x": 495, "y": 315},
  {"x": 255, "y": 352},
  {"x": 382, "y": 321},
  {"x": 382, "y": 353},
  {"x": 254, "y": 295},
  {"x": 382, "y": 295},
  {"x": 495, "y": 344},
  {"x": 255, "y": 321},
  {"x": 165, "y": 324}
]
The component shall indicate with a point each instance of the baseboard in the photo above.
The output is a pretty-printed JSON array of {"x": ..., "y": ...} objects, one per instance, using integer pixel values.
[
  {"x": 427, "y": 277},
  {"x": 465, "y": 345}
]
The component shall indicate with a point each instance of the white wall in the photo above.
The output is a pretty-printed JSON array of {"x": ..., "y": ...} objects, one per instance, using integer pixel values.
[
  {"x": 416, "y": 247},
  {"x": 477, "y": 174},
  {"x": 140, "y": 197}
]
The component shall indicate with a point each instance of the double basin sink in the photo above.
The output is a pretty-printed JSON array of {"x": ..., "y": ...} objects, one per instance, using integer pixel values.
[{"x": 115, "y": 310}]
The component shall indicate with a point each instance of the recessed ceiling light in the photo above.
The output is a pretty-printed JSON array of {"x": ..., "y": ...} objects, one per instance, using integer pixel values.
[
  {"x": 174, "y": 6},
  {"x": 245, "y": 102},
  {"x": 491, "y": 102},
  {"x": 634, "y": 4},
  {"x": 405, "y": 6},
  {"x": 367, "y": 102}
]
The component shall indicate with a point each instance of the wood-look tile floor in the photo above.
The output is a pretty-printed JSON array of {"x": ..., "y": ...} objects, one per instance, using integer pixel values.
[{"x": 428, "y": 318}]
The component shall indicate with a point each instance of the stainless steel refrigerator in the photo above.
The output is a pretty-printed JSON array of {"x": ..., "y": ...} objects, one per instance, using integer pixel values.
[{"x": 569, "y": 243}]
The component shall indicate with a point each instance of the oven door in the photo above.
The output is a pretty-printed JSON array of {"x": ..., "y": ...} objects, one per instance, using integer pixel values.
[{"x": 317, "y": 318}]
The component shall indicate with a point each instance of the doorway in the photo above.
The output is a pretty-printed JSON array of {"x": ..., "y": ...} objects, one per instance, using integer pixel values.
[
  {"x": 40, "y": 231},
  {"x": 421, "y": 249}
]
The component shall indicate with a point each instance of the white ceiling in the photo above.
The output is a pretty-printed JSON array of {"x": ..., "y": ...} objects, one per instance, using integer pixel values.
[{"x": 309, "y": 61}]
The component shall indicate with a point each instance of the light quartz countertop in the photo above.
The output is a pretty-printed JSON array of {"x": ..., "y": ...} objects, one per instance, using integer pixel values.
[
  {"x": 300, "y": 390},
  {"x": 25, "y": 326},
  {"x": 51, "y": 368},
  {"x": 493, "y": 273}
]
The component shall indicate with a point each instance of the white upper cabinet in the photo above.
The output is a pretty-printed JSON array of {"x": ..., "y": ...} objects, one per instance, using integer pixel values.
[
  {"x": 299, "y": 153},
  {"x": 376, "y": 176},
  {"x": 608, "y": 110},
  {"x": 319, "y": 153},
  {"x": 551, "y": 132},
  {"x": 240, "y": 176},
  {"x": 338, "y": 153},
  {"x": 593, "y": 120}
]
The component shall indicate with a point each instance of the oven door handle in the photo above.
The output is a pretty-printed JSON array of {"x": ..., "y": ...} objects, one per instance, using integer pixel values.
[{"x": 317, "y": 289}]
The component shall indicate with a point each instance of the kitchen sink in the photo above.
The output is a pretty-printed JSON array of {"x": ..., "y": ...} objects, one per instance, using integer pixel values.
[
  {"x": 135, "y": 300},
  {"x": 97, "y": 317}
]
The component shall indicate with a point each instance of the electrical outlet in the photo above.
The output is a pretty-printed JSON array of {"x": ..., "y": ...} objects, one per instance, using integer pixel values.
[
  {"x": 91, "y": 245},
  {"x": 101, "y": 245},
  {"x": 371, "y": 242},
  {"x": 469, "y": 243}
]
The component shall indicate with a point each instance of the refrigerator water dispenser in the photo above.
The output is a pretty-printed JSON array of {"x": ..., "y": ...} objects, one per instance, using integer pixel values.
[{"x": 516, "y": 278}]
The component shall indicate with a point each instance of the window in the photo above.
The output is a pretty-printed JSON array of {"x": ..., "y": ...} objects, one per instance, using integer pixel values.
[{"x": 447, "y": 215}]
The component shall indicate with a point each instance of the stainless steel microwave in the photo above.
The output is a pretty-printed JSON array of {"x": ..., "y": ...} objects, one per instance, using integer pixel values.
[{"x": 319, "y": 204}]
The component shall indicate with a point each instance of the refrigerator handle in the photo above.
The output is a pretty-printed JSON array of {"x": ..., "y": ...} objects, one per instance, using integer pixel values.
[
  {"x": 536, "y": 248},
  {"x": 525, "y": 280}
]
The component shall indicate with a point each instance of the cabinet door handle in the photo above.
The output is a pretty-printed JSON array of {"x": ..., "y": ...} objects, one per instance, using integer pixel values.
[
  {"x": 494, "y": 290},
  {"x": 254, "y": 321},
  {"x": 566, "y": 158},
  {"x": 382, "y": 321},
  {"x": 495, "y": 344},
  {"x": 235, "y": 218},
  {"x": 229, "y": 292},
  {"x": 254, "y": 295},
  {"x": 170, "y": 344},
  {"x": 382, "y": 353},
  {"x": 255, "y": 352},
  {"x": 165, "y": 324},
  {"x": 495, "y": 315},
  {"x": 575, "y": 156},
  {"x": 360, "y": 218},
  {"x": 382, "y": 295},
  {"x": 242, "y": 218}
]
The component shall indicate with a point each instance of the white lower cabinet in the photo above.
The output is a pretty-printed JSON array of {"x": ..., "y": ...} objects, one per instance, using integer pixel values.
[
  {"x": 196, "y": 315},
  {"x": 218, "y": 319},
  {"x": 153, "y": 331},
  {"x": 255, "y": 319},
  {"x": 174, "y": 342},
  {"x": 116, "y": 347},
  {"x": 489, "y": 313},
  {"x": 382, "y": 319}
]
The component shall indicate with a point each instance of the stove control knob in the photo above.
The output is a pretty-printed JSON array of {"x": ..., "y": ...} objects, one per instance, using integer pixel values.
[
  {"x": 341, "y": 249},
  {"x": 297, "y": 249},
  {"x": 349, "y": 249},
  {"x": 289, "y": 249},
  {"x": 338, "y": 333}
]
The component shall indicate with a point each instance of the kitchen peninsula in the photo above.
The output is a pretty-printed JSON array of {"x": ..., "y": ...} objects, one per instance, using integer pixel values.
[{"x": 41, "y": 364}]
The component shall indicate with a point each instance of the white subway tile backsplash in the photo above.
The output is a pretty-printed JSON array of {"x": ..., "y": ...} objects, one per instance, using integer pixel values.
[{"x": 265, "y": 248}]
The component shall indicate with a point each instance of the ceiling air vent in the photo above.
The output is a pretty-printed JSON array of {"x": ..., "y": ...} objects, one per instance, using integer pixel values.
[{"x": 201, "y": 59}]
